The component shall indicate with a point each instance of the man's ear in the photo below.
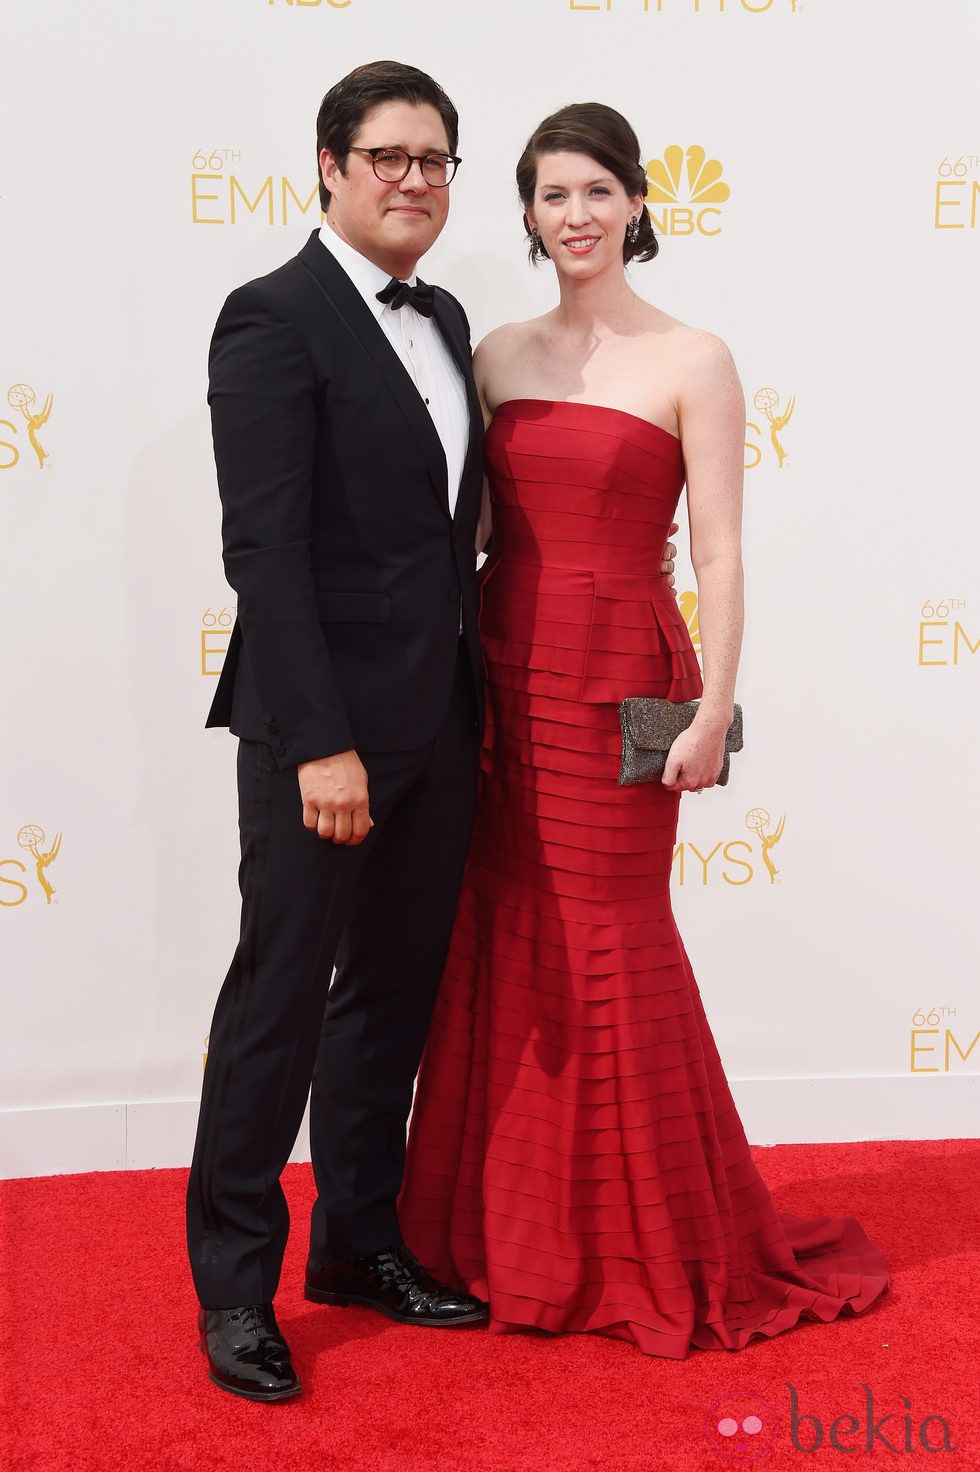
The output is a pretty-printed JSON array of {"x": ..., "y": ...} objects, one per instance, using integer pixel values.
[{"x": 329, "y": 167}]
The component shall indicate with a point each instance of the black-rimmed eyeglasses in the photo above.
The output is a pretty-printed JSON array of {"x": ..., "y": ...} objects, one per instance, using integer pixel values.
[{"x": 391, "y": 165}]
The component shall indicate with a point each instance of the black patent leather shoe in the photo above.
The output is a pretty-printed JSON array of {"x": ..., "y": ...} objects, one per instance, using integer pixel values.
[
  {"x": 246, "y": 1352},
  {"x": 395, "y": 1283}
]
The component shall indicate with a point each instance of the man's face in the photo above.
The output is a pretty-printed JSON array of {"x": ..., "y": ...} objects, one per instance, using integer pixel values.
[{"x": 393, "y": 225}]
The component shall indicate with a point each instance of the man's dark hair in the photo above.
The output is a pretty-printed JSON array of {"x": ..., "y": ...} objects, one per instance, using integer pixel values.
[{"x": 344, "y": 108}]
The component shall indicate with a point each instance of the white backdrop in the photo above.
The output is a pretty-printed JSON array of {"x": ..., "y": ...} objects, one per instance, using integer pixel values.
[{"x": 155, "y": 157}]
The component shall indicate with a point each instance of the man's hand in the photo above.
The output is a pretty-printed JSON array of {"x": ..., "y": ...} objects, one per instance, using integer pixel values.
[
  {"x": 334, "y": 790},
  {"x": 668, "y": 555}
]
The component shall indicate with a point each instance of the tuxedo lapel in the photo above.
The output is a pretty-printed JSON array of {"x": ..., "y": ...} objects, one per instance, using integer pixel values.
[{"x": 346, "y": 303}]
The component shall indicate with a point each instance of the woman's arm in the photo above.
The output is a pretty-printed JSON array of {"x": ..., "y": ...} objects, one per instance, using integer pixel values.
[
  {"x": 484, "y": 526},
  {"x": 711, "y": 414},
  {"x": 483, "y": 360}
]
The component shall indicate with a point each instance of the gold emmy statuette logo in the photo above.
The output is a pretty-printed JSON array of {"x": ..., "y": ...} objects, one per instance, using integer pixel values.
[
  {"x": 687, "y": 187},
  {"x": 31, "y": 838},
  {"x": 767, "y": 401},
  {"x": 938, "y": 617},
  {"x": 927, "y": 1025},
  {"x": 215, "y": 633},
  {"x": 757, "y": 820},
  {"x": 22, "y": 397},
  {"x": 204, "y": 1057},
  {"x": 688, "y": 604},
  {"x": 957, "y": 193},
  {"x": 331, "y": 4}
]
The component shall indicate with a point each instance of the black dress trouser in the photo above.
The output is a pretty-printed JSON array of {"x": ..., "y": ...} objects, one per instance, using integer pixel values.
[{"x": 382, "y": 912}]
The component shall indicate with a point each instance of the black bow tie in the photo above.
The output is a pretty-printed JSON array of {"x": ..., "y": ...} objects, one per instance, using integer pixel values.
[{"x": 397, "y": 293}]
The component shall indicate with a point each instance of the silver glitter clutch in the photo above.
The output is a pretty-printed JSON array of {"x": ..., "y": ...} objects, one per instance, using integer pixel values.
[{"x": 651, "y": 726}]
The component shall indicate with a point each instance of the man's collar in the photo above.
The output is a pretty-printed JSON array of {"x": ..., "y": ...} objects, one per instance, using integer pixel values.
[{"x": 368, "y": 278}]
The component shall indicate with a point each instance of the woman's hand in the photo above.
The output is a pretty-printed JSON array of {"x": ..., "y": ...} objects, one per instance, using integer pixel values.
[
  {"x": 696, "y": 757},
  {"x": 667, "y": 556}
]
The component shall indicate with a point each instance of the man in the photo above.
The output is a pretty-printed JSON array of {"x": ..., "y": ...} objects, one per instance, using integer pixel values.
[{"x": 348, "y": 443}]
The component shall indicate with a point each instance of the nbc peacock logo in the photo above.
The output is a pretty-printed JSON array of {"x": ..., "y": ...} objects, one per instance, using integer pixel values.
[{"x": 687, "y": 188}]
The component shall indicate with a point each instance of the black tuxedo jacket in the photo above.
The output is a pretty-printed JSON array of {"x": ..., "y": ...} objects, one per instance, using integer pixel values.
[{"x": 350, "y": 572}]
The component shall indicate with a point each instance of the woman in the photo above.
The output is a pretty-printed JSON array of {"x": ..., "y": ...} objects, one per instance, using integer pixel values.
[{"x": 575, "y": 1155}]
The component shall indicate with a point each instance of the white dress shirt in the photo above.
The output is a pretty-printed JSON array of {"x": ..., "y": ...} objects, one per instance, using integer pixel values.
[{"x": 422, "y": 352}]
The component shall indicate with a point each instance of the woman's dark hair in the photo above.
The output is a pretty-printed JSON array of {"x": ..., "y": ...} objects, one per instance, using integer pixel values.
[
  {"x": 345, "y": 106},
  {"x": 605, "y": 135}
]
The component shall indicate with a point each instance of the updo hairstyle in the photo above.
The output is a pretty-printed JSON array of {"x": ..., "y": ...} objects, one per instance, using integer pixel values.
[{"x": 605, "y": 135}]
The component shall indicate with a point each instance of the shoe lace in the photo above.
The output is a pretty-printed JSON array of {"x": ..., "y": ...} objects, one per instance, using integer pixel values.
[
  {"x": 260, "y": 1320},
  {"x": 401, "y": 1268},
  {"x": 405, "y": 1258}
]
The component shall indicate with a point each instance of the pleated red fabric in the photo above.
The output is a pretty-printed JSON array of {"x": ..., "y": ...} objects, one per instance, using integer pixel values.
[{"x": 575, "y": 1156}]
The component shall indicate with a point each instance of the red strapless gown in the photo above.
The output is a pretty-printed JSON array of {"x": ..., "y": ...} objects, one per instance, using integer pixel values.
[{"x": 575, "y": 1156}]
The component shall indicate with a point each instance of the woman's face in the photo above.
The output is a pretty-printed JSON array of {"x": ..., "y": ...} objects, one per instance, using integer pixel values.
[{"x": 581, "y": 211}]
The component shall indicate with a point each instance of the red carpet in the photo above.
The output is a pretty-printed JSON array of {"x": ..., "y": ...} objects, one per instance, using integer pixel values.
[{"x": 102, "y": 1369}]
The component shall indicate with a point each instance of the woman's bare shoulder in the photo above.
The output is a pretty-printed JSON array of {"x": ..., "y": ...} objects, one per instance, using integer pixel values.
[
  {"x": 701, "y": 351},
  {"x": 502, "y": 353},
  {"x": 508, "y": 339},
  {"x": 706, "y": 377}
]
